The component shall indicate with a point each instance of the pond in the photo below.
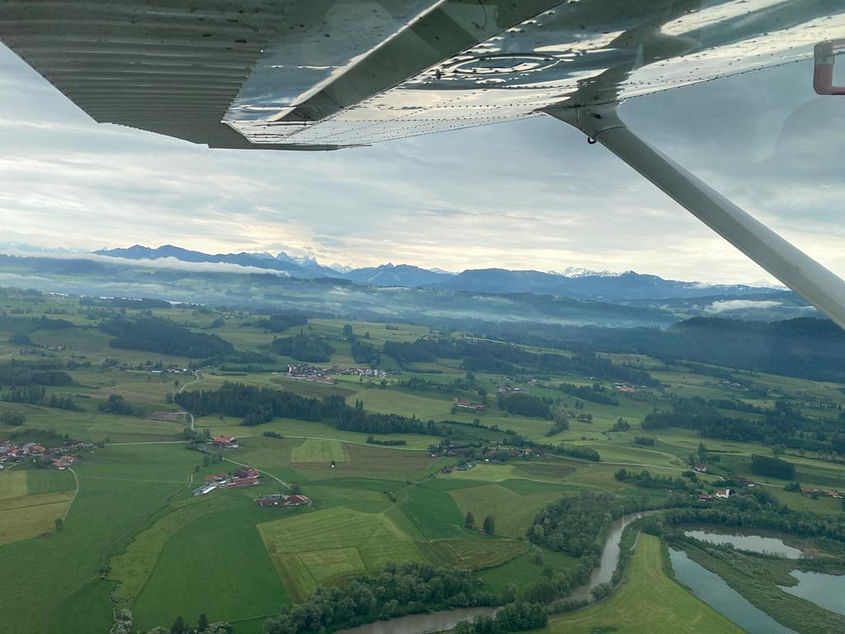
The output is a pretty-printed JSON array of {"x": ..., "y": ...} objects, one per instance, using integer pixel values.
[
  {"x": 751, "y": 543},
  {"x": 826, "y": 591},
  {"x": 713, "y": 590}
]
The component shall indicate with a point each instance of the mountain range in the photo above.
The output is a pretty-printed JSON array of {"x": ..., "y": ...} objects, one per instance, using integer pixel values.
[{"x": 575, "y": 283}]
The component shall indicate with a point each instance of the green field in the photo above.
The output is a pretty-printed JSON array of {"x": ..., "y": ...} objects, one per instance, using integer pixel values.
[
  {"x": 136, "y": 535},
  {"x": 31, "y": 501},
  {"x": 224, "y": 573},
  {"x": 647, "y": 601},
  {"x": 511, "y": 511},
  {"x": 325, "y": 546},
  {"x": 472, "y": 553},
  {"x": 133, "y": 567},
  {"x": 319, "y": 450},
  {"x": 13, "y": 483}
]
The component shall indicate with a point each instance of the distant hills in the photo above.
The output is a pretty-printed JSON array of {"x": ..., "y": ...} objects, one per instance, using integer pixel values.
[
  {"x": 282, "y": 262},
  {"x": 575, "y": 283}
]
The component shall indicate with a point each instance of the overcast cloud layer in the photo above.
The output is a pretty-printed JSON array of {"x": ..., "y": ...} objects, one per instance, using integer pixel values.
[{"x": 530, "y": 194}]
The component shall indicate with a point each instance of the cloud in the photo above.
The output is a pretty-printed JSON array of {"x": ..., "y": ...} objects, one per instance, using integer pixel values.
[
  {"x": 531, "y": 194},
  {"x": 168, "y": 263},
  {"x": 740, "y": 304}
]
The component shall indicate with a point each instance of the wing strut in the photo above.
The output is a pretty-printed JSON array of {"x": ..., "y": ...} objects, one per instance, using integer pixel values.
[{"x": 797, "y": 270}]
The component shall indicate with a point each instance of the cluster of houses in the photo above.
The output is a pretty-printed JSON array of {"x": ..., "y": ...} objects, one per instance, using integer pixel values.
[
  {"x": 280, "y": 499},
  {"x": 37, "y": 349},
  {"x": 306, "y": 372},
  {"x": 509, "y": 389},
  {"x": 830, "y": 493},
  {"x": 473, "y": 407},
  {"x": 624, "y": 387},
  {"x": 59, "y": 457},
  {"x": 172, "y": 371},
  {"x": 244, "y": 477}
]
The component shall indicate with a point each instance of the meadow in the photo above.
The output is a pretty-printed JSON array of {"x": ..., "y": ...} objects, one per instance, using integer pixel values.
[
  {"x": 648, "y": 596},
  {"x": 136, "y": 537}
]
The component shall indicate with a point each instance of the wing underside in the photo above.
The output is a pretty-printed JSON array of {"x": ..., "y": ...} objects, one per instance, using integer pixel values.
[{"x": 321, "y": 74}]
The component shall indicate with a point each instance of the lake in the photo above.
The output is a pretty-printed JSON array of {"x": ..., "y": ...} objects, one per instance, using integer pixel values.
[
  {"x": 714, "y": 591},
  {"x": 749, "y": 542},
  {"x": 826, "y": 591}
]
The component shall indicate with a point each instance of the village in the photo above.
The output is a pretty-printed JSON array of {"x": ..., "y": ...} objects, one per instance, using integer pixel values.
[
  {"x": 246, "y": 477},
  {"x": 316, "y": 374},
  {"x": 59, "y": 458}
]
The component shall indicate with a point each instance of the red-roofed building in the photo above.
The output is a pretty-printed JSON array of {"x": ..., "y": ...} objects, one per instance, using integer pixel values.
[
  {"x": 297, "y": 500},
  {"x": 241, "y": 482},
  {"x": 227, "y": 442},
  {"x": 268, "y": 501}
]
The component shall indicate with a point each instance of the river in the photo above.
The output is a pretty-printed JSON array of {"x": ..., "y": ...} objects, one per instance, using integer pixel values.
[
  {"x": 609, "y": 557},
  {"x": 421, "y": 623},
  {"x": 447, "y": 619}
]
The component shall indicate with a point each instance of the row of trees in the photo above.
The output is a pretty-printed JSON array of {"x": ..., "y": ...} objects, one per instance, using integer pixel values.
[
  {"x": 409, "y": 588},
  {"x": 646, "y": 480},
  {"x": 513, "y": 617}
]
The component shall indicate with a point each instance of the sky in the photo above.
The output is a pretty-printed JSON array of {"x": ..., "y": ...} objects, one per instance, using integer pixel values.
[{"x": 530, "y": 194}]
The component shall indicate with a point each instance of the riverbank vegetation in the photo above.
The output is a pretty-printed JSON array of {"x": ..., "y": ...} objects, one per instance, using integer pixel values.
[{"x": 758, "y": 577}]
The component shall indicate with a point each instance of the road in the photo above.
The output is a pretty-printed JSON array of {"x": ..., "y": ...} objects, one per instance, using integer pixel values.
[
  {"x": 197, "y": 377},
  {"x": 75, "y": 493}
]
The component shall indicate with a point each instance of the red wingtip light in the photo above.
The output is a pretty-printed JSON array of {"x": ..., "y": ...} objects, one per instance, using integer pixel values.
[{"x": 825, "y": 58}]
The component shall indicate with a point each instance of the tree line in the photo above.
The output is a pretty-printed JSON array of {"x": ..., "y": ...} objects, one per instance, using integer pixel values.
[
  {"x": 279, "y": 322},
  {"x": 506, "y": 358},
  {"x": 757, "y": 508},
  {"x": 409, "y": 588},
  {"x": 302, "y": 347},
  {"x": 257, "y": 405},
  {"x": 781, "y": 424},
  {"x": 156, "y": 334},
  {"x": 23, "y": 373}
]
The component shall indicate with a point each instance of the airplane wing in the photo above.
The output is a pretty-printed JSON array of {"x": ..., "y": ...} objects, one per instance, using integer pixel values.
[{"x": 323, "y": 74}]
